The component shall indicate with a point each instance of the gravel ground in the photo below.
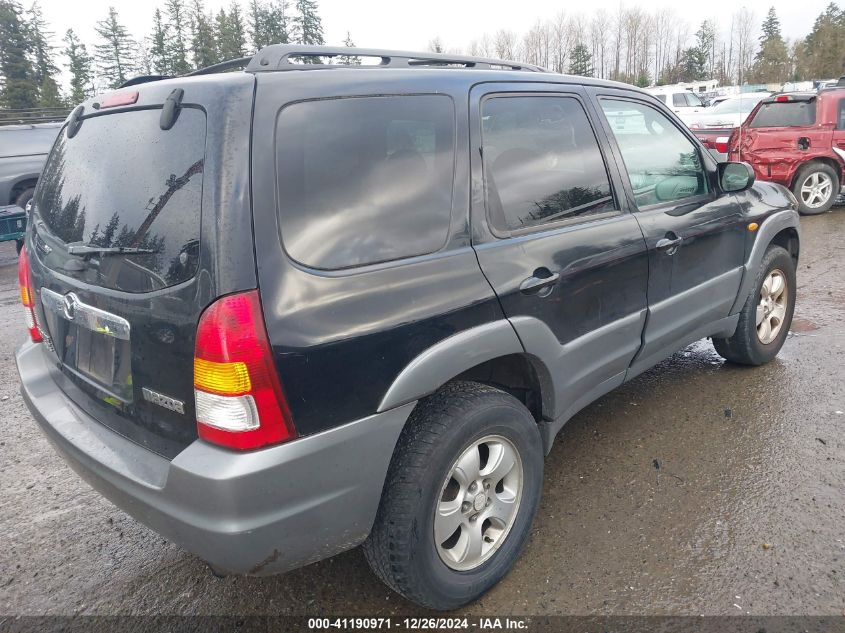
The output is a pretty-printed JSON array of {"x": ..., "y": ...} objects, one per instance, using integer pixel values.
[{"x": 745, "y": 513}]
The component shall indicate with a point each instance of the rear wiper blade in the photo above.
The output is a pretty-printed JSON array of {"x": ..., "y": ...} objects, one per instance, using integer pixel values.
[{"x": 87, "y": 249}]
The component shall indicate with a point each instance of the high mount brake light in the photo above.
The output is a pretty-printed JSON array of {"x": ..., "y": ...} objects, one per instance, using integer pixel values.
[
  {"x": 119, "y": 99},
  {"x": 783, "y": 99},
  {"x": 240, "y": 403},
  {"x": 28, "y": 296}
]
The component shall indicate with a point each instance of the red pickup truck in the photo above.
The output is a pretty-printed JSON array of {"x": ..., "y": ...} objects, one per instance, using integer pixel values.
[{"x": 797, "y": 140}]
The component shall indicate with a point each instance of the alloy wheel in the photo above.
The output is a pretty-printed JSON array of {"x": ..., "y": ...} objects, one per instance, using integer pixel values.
[
  {"x": 816, "y": 190},
  {"x": 478, "y": 503},
  {"x": 771, "y": 310}
]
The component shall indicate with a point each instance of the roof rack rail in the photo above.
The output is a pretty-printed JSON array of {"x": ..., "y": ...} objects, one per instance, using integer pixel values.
[
  {"x": 216, "y": 68},
  {"x": 142, "y": 79},
  {"x": 276, "y": 57}
]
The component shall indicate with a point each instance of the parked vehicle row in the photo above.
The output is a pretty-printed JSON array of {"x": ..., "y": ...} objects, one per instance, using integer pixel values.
[
  {"x": 797, "y": 140},
  {"x": 278, "y": 313},
  {"x": 683, "y": 102},
  {"x": 714, "y": 126}
]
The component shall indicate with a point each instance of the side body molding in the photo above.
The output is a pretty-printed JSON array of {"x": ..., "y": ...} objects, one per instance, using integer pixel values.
[
  {"x": 770, "y": 227},
  {"x": 584, "y": 368},
  {"x": 450, "y": 357}
]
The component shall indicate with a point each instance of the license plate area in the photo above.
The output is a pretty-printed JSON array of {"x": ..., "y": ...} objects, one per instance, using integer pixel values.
[
  {"x": 91, "y": 344},
  {"x": 94, "y": 355}
]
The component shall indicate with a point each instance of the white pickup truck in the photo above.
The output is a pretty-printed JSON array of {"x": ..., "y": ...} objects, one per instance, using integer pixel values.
[
  {"x": 682, "y": 101},
  {"x": 23, "y": 150}
]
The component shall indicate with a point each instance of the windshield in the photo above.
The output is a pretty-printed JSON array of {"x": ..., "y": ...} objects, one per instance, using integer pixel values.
[
  {"x": 742, "y": 105},
  {"x": 122, "y": 181},
  {"x": 693, "y": 100}
]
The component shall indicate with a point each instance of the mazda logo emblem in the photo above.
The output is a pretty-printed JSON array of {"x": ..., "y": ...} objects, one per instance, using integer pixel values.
[{"x": 69, "y": 305}]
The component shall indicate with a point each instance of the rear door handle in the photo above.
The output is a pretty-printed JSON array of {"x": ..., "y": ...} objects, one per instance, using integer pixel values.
[
  {"x": 669, "y": 244},
  {"x": 541, "y": 280}
]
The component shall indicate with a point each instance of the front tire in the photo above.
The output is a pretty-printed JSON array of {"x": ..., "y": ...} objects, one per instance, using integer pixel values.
[
  {"x": 460, "y": 496},
  {"x": 767, "y": 314},
  {"x": 816, "y": 188}
]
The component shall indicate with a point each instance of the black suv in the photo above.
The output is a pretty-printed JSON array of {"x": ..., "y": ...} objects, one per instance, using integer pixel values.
[{"x": 278, "y": 313}]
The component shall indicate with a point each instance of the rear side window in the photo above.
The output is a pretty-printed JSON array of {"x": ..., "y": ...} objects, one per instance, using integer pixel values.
[
  {"x": 785, "y": 114},
  {"x": 363, "y": 180},
  {"x": 661, "y": 98},
  {"x": 541, "y": 162},
  {"x": 122, "y": 181},
  {"x": 841, "y": 124},
  {"x": 679, "y": 100}
]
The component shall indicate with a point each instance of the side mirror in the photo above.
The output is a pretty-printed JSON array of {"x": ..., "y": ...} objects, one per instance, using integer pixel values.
[{"x": 735, "y": 177}]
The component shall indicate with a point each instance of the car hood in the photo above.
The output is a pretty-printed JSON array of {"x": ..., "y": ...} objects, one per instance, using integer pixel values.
[{"x": 716, "y": 120}]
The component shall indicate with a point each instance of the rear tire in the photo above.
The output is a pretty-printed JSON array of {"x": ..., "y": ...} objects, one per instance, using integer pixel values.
[
  {"x": 767, "y": 314},
  {"x": 816, "y": 188},
  {"x": 430, "y": 487}
]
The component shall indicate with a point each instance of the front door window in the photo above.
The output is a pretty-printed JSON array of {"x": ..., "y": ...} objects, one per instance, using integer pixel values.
[{"x": 663, "y": 165}]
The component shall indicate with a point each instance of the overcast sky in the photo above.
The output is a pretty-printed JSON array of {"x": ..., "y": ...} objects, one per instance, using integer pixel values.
[{"x": 410, "y": 25}]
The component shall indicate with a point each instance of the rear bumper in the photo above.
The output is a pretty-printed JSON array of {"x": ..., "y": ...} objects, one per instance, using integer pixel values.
[{"x": 261, "y": 512}]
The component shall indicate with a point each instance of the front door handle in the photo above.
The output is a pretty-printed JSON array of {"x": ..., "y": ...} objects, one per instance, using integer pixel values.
[
  {"x": 669, "y": 244},
  {"x": 539, "y": 283}
]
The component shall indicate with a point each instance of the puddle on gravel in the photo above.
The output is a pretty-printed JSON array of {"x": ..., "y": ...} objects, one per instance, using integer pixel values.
[{"x": 803, "y": 325}]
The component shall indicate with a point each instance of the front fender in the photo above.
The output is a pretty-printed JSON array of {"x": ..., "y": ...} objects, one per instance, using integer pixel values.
[{"x": 769, "y": 228}]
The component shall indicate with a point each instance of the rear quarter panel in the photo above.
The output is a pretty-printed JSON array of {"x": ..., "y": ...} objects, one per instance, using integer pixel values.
[{"x": 340, "y": 338}]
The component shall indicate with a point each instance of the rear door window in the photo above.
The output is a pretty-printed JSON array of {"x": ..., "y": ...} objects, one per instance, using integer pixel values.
[
  {"x": 841, "y": 124},
  {"x": 678, "y": 99},
  {"x": 363, "y": 180},
  {"x": 785, "y": 114},
  {"x": 122, "y": 181},
  {"x": 542, "y": 162}
]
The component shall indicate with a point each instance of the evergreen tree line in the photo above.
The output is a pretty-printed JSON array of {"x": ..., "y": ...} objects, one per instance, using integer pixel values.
[
  {"x": 184, "y": 37},
  {"x": 632, "y": 46},
  {"x": 641, "y": 47}
]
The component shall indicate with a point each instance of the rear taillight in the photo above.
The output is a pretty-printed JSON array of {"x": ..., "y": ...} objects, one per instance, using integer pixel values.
[
  {"x": 721, "y": 144},
  {"x": 239, "y": 399},
  {"x": 27, "y": 296}
]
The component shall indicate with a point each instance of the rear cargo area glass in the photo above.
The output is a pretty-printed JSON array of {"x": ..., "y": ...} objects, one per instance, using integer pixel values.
[
  {"x": 122, "y": 181},
  {"x": 785, "y": 114}
]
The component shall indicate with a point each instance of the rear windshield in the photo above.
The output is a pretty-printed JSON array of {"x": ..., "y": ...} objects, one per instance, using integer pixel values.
[
  {"x": 123, "y": 181},
  {"x": 785, "y": 114}
]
